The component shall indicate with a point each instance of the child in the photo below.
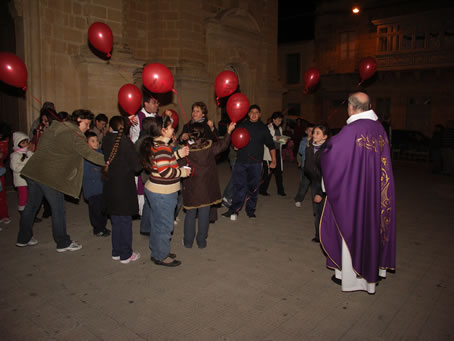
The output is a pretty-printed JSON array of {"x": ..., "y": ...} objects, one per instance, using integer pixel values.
[
  {"x": 301, "y": 157},
  {"x": 19, "y": 158},
  {"x": 162, "y": 187},
  {"x": 92, "y": 188},
  {"x": 313, "y": 171},
  {"x": 201, "y": 190},
  {"x": 119, "y": 192}
]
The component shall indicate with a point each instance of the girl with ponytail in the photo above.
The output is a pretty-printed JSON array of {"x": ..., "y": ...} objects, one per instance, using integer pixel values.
[
  {"x": 162, "y": 187},
  {"x": 120, "y": 193}
]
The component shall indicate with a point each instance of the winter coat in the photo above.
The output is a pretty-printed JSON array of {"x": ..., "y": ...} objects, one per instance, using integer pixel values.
[
  {"x": 201, "y": 188},
  {"x": 120, "y": 192},
  {"x": 278, "y": 145},
  {"x": 59, "y": 160},
  {"x": 17, "y": 161}
]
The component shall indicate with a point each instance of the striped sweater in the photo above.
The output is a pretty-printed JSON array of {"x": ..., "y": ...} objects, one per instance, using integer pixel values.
[{"x": 165, "y": 173}]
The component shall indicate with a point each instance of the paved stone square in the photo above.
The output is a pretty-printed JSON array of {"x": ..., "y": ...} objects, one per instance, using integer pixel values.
[{"x": 260, "y": 279}]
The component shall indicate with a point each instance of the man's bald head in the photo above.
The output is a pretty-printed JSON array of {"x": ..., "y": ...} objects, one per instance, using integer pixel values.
[{"x": 357, "y": 103}]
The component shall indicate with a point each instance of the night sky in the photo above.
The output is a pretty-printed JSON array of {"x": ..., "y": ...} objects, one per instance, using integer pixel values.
[{"x": 296, "y": 20}]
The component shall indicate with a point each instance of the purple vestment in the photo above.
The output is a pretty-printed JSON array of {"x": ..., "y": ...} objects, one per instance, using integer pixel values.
[{"x": 360, "y": 204}]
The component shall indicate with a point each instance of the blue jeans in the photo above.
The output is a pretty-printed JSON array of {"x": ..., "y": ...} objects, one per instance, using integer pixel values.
[
  {"x": 145, "y": 221},
  {"x": 121, "y": 236},
  {"x": 246, "y": 181},
  {"x": 56, "y": 199},
  {"x": 162, "y": 211},
  {"x": 189, "y": 226}
]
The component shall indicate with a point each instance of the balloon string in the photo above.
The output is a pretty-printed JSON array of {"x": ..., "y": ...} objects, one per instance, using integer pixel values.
[
  {"x": 123, "y": 69},
  {"x": 181, "y": 106},
  {"x": 187, "y": 123}
]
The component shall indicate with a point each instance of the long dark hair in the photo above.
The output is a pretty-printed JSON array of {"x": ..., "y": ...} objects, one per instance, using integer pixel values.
[
  {"x": 197, "y": 134},
  {"x": 117, "y": 123},
  {"x": 323, "y": 128},
  {"x": 156, "y": 124}
]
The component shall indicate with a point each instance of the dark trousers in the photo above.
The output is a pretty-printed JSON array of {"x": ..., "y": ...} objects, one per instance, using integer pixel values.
[
  {"x": 246, "y": 181},
  {"x": 267, "y": 174},
  {"x": 318, "y": 209},
  {"x": 36, "y": 192},
  {"x": 95, "y": 212},
  {"x": 121, "y": 236},
  {"x": 203, "y": 215},
  {"x": 303, "y": 187}
]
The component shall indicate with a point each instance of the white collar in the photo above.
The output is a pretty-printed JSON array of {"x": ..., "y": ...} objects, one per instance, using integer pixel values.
[
  {"x": 148, "y": 114},
  {"x": 365, "y": 115}
]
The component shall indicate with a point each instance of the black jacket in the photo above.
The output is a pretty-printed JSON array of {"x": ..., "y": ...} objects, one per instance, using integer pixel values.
[
  {"x": 312, "y": 168},
  {"x": 120, "y": 191}
]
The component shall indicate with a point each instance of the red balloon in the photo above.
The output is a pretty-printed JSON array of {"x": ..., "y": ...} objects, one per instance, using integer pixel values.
[
  {"x": 157, "y": 78},
  {"x": 311, "y": 78},
  {"x": 225, "y": 84},
  {"x": 174, "y": 117},
  {"x": 130, "y": 98},
  {"x": 237, "y": 107},
  {"x": 100, "y": 36},
  {"x": 367, "y": 68},
  {"x": 13, "y": 70},
  {"x": 240, "y": 138}
]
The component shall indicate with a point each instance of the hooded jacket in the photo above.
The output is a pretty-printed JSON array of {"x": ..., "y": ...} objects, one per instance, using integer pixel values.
[{"x": 17, "y": 158}]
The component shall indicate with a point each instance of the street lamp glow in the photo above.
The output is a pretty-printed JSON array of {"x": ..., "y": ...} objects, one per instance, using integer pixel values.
[{"x": 355, "y": 10}]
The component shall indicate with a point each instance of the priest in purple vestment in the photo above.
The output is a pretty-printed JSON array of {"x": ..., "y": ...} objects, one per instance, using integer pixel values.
[{"x": 358, "y": 225}]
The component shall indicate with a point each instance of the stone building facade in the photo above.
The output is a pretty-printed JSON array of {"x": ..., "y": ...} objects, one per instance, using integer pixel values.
[
  {"x": 195, "y": 39},
  {"x": 413, "y": 44}
]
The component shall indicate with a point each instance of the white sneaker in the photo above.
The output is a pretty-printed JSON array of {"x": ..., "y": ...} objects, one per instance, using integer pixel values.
[
  {"x": 31, "y": 242},
  {"x": 233, "y": 216},
  {"x": 116, "y": 257},
  {"x": 298, "y": 203},
  {"x": 72, "y": 247},
  {"x": 5, "y": 221},
  {"x": 135, "y": 256}
]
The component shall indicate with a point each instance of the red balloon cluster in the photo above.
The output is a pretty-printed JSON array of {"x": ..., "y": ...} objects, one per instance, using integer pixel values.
[
  {"x": 240, "y": 138},
  {"x": 130, "y": 98},
  {"x": 157, "y": 78},
  {"x": 174, "y": 117},
  {"x": 237, "y": 107},
  {"x": 311, "y": 78},
  {"x": 225, "y": 84},
  {"x": 367, "y": 68},
  {"x": 13, "y": 70},
  {"x": 101, "y": 37}
]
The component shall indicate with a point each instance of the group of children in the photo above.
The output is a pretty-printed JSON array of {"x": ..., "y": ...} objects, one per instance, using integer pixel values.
[{"x": 172, "y": 171}]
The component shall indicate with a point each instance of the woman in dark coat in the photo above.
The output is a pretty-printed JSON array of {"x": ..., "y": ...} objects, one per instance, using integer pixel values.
[
  {"x": 201, "y": 190},
  {"x": 199, "y": 115},
  {"x": 120, "y": 193}
]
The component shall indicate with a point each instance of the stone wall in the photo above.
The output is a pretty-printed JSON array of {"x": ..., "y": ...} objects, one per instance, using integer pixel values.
[{"x": 195, "y": 39}]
